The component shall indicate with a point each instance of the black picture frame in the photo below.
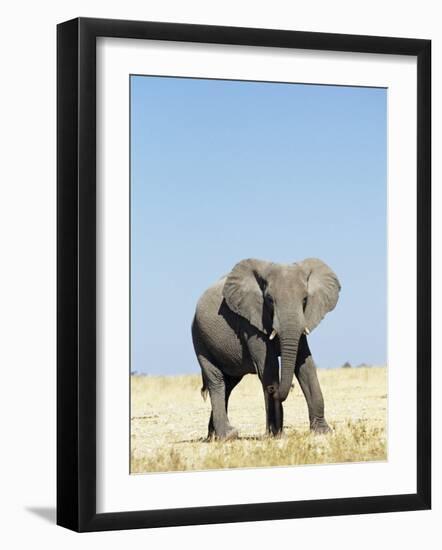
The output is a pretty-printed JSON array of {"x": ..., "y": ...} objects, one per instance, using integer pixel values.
[{"x": 77, "y": 287}]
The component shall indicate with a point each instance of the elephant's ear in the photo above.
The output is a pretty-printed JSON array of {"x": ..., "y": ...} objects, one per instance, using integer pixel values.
[
  {"x": 243, "y": 292},
  {"x": 323, "y": 291}
]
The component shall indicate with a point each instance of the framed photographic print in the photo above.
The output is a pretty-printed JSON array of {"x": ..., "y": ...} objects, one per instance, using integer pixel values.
[{"x": 243, "y": 274}]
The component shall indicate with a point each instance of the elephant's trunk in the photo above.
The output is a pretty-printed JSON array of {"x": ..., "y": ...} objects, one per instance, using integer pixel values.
[{"x": 289, "y": 350}]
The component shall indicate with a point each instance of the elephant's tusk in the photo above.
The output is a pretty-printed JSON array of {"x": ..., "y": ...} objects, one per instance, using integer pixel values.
[
  {"x": 307, "y": 331},
  {"x": 272, "y": 335}
]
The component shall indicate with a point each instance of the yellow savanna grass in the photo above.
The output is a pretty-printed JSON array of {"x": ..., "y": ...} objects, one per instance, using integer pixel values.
[{"x": 169, "y": 424}]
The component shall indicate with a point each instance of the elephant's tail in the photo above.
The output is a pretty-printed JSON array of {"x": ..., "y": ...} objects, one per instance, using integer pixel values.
[{"x": 204, "y": 390}]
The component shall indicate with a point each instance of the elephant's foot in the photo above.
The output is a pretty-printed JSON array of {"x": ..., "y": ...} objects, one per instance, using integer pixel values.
[
  {"x": 273, "y": 431},
  {"x": 319, "y": 426},
  {"x": 227, "y": 435}
]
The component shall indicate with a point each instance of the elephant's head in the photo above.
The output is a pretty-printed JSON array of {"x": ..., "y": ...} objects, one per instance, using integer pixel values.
[{"x": 287, "y": 300}]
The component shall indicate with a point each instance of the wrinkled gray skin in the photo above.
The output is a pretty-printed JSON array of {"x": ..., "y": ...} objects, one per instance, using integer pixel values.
[{"x": 233, "y": 334}]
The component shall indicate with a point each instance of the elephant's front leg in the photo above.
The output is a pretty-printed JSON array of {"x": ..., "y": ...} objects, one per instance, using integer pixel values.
[
  {"x": 274, "y": 411},
  {"x": 265, "y": 360},
  {"x": 270, "y": 385},
  {"x": 305, "y": 372}
]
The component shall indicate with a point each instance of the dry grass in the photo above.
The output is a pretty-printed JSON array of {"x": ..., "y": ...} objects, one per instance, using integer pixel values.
[{"x": 169, "y": 424}]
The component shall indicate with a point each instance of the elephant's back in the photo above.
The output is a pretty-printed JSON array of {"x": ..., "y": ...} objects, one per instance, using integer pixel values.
[
  {"x": 217, "y": 327},
  {"x": 209, "y": 305}
]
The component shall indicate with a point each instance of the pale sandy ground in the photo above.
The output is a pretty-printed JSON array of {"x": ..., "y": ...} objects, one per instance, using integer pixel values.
[{"x": 169, "y": 423}]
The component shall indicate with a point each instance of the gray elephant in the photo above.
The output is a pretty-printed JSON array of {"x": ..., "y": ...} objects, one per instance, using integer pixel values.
[{"x": 245, "y": 321}]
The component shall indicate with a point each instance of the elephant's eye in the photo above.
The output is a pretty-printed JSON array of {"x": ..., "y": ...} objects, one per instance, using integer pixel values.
[{"x": 304, "y": 303}]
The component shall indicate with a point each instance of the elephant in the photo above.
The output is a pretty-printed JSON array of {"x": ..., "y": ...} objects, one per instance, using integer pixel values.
[{"x": 249, "y": 318}]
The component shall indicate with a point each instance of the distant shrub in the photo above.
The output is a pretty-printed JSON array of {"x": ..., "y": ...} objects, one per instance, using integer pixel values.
[{"x": 346, "y": 365}]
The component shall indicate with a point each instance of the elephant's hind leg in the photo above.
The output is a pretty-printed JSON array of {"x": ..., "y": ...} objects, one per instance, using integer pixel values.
[
  {"x": 220, "y": 387},
  {"x": 230, "y": 383}
]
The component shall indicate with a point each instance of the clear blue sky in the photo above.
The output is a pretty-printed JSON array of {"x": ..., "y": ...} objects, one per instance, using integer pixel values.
[{"x": 226, "y": 170}]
